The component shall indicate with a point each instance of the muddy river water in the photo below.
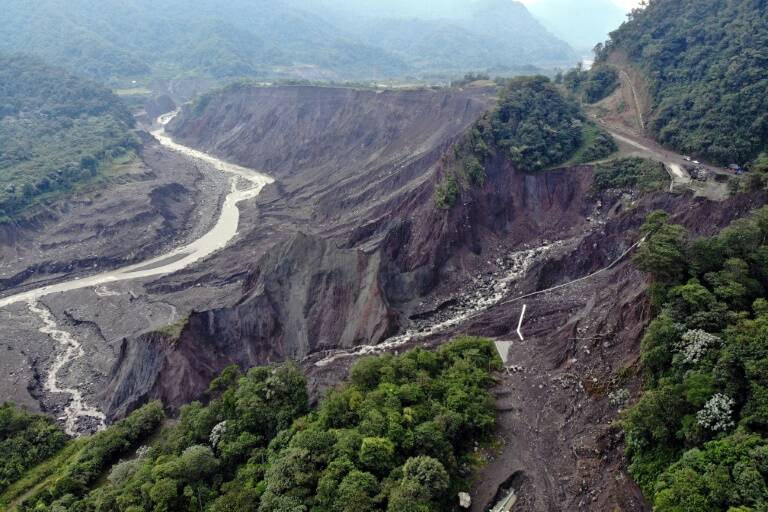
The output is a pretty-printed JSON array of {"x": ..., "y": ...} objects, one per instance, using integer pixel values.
[
  {"x": 222, "y": 232},
  {"x": 244, "y": 184}
]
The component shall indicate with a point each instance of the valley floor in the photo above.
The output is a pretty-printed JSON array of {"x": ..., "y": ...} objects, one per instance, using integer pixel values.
[{"x": 49, "y": 369}]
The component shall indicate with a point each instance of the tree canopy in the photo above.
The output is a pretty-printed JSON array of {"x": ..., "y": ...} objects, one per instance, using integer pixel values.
[
  {"x": 396, "y": 437},
  {"x": 55, "y": 131},
  {"x": 696, "y": 439},
  {"x": 705, "y": 62}
]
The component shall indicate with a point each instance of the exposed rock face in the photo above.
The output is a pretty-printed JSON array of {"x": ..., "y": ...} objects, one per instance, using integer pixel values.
[
  {"x": 344, "y": 251},
  {"x": 322, "y": 297},
  {"x": 309, "y": 294},
  {"x": 325, "y": 130},
  {"x": 362, "y": 241},
  {"x": 306, "y": 295}
]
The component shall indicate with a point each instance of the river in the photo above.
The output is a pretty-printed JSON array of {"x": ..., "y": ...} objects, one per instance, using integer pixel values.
[
  {"x": 217, "y": 238},
  {"x": 223, "y": 232}
]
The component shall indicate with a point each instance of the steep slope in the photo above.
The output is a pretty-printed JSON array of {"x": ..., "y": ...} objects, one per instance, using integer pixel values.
[
  {"x": 349, "y": 248},
  {"x": 704, "y": 64},
  {"x": 392, "y": 248},
  {"x": 342, "y": 157},
  {"x": 354, "y": 283},
  {"x": 56, "y": 131}
]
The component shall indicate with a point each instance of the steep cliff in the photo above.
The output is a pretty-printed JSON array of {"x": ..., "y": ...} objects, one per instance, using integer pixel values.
[
  {"x": 350, "y": 273},
  {"x": 311, "y": 294}
]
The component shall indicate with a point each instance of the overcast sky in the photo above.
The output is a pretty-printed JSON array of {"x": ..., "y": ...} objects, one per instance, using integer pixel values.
[{"x": 625, "y": 4}]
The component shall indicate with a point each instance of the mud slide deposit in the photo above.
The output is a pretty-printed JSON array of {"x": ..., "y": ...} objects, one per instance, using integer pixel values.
[
  {"x": 72, "y": 349},
  {"x": 223, "y": 231}
]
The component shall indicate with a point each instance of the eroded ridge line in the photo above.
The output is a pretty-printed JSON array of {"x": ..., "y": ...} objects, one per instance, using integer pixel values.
[
  {"x": 526, "y": 260},
  {"x": 69, "y": 350}
]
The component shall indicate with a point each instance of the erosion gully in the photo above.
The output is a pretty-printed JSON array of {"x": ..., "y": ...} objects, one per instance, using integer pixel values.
[{"x": 182, "y": 257}]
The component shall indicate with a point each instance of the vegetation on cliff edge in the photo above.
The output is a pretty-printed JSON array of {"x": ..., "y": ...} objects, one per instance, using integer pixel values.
[
  {"x": 696, "y": 438},
  {"x": 396, "y": 437},
  {"x": 533, "y": 126},
  {"x": 630, "y": 173}
]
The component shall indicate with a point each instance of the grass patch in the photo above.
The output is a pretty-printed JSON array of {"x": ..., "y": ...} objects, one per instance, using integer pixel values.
[
  {"x": 40, "y": 476},
  {"x": 597, "y": 145},
  {"x": 630, "y": 173},
  {"x": 173, "y": 331}
]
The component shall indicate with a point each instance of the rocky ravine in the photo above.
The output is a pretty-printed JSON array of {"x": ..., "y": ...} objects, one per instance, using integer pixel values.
[
  {"x": 101, "y": 316},
  {"x": 350, "y": 285},
  {"x": 314, "y": 279}
]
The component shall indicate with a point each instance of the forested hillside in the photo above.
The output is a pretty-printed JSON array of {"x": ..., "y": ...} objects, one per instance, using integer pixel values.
[
  {"x": 705, "y": 62},
  {"x": 397, "y": 437},
  {"x": 696, "y": 439},
  {"x": 534, "y": 126},
  {"x": 115, "y": 40},
  {"x": 55, "y": 131}
]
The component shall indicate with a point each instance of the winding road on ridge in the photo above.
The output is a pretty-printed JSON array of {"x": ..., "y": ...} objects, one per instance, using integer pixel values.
[{"x": 215, "y": 239}]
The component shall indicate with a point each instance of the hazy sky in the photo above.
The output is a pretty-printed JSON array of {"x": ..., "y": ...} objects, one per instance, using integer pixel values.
[
  {"x": 426, "y": 8},
  {"x": 624, "y": 4}
]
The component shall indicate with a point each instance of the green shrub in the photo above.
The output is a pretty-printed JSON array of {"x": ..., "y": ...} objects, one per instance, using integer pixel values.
[
  {"x": 447, "y": 193},
  {"x": 696, "y": 437},
  {"x": 26, "y": 439},
  {"x": 630, "y": 173},
  {"x": 602, "y": 81},
  {"x": 393, "y": 438}
]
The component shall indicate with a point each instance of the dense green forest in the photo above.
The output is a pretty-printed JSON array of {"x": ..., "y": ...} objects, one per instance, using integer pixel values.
[
  {"x": 534, "y": 126},
  {"x": 117, "y": 40},
  {"x": 593, "y": 85},
  {"x": 55, "y": 131},
  {"x": 705, "y": 62},
  {"x": 398, "y": 436},
  {"x": 696, "y": 439},
  {"x": 113, "y": 40},
  {"x": 25, "y": 440}
]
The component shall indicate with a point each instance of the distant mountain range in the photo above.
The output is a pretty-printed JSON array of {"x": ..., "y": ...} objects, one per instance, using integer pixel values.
[
  {"x": 490, "y": 35},
  {"x": 112, "y": 40}
]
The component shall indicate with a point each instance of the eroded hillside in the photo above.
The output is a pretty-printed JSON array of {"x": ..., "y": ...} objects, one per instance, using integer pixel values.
[{"x": 349, "y": 253}]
